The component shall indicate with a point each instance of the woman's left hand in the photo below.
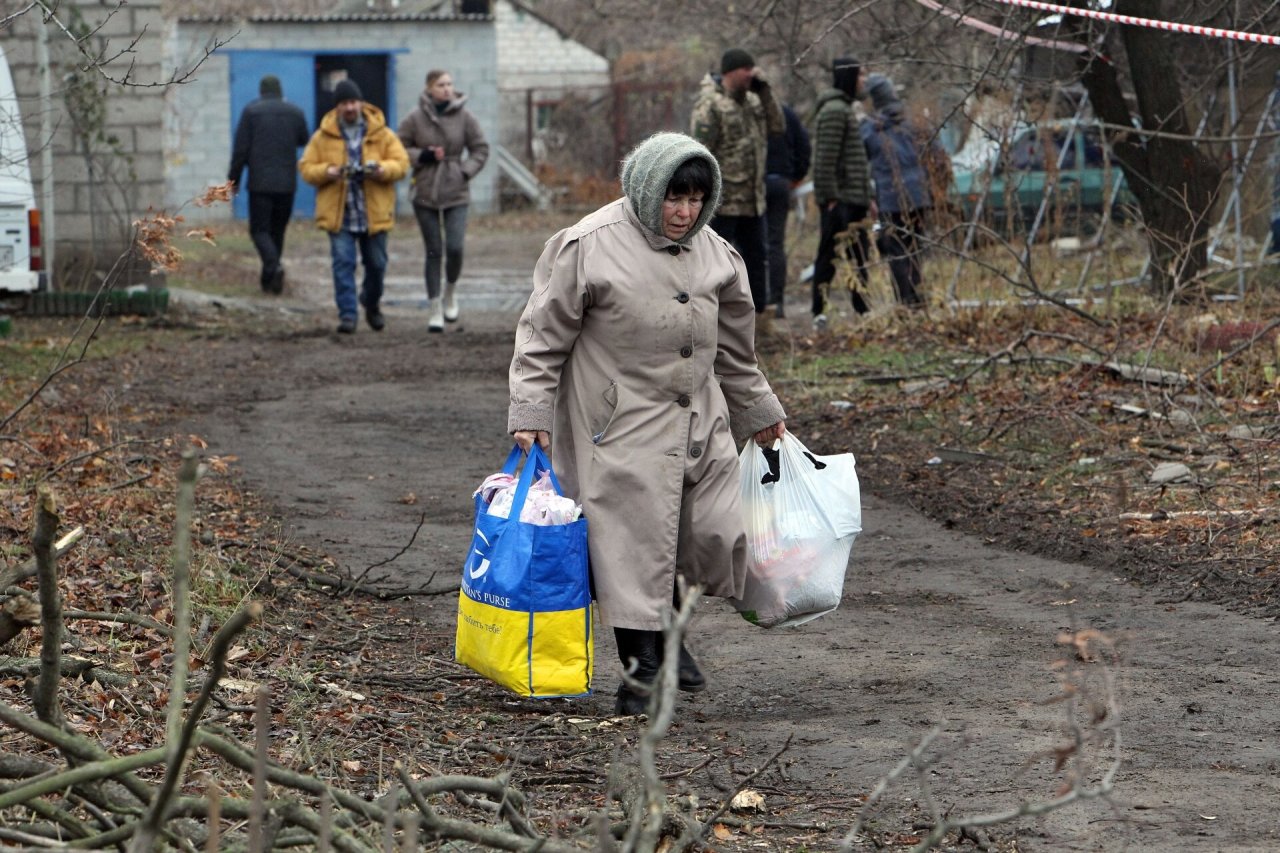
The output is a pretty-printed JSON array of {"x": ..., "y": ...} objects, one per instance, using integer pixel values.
[
  {"x": 526, "y": 437},
  {"x": 770, "y": 434}
]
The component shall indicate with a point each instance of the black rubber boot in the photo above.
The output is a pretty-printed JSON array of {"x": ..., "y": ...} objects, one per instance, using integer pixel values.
[
  {"x": 643, "y": 647},
  {"x": 691, "y": 679}
]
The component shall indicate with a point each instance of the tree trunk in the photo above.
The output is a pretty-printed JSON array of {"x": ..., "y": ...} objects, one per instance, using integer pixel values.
[{"x": 1175, "y": 183}]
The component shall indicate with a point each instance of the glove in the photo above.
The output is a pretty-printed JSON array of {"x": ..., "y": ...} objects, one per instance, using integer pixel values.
[{"x": 426, "y": 155}]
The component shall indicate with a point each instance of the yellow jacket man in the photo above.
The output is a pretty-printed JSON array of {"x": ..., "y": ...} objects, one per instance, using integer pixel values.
[{"x": 354, "y": 160}]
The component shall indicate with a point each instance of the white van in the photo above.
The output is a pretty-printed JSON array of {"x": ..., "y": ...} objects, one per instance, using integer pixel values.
[{"x": 21, "y": 259}]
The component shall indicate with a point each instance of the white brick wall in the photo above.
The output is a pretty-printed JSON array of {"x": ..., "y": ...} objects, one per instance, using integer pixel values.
[{"x": 533, "y": 53}]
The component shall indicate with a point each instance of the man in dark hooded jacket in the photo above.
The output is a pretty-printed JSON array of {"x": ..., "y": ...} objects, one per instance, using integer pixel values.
[
  {"x": 900, "y": 157},
  {"x": 268, "y": 136},
  {"x": 841, "y": 183}
]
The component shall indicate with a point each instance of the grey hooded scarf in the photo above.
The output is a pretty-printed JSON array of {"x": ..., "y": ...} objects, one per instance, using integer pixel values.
[{"x": 648, "y": 169}]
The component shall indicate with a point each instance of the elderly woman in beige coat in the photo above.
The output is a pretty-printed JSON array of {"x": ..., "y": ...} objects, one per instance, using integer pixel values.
[
  {"x": 447, "y": 149},
  {"x": 635, "y": 363}
]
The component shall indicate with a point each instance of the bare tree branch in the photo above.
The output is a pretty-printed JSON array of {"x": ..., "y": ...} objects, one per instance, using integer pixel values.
[{"x": 46, "y": 695}]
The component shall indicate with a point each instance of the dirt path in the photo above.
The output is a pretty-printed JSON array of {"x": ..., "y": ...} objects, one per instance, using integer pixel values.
[{"x": 354, "y": 441}]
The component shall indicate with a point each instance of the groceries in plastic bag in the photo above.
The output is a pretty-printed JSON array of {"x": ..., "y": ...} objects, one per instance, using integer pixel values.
[
  {"x": 543, "y": 505},
  {"x": 802, "y": 513}
]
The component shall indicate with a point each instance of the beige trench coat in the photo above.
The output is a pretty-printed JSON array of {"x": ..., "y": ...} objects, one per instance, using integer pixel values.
[{"x": 638, "y": 355}]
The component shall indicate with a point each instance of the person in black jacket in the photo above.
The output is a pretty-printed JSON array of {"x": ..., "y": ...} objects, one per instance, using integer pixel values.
[
  {"x": 268, "y": 136},
  {"x": 786, "y": 164}
]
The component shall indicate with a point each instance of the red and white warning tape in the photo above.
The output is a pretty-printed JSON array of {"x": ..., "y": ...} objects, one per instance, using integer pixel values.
[
  {"x": 1001, "y": 32},
  {"x": 1170, "y": 26}
]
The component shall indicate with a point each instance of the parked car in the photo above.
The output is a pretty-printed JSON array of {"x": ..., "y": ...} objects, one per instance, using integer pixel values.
[
  {"x": 1082, "y": 180},
  {"x": 21, "y": 258}
]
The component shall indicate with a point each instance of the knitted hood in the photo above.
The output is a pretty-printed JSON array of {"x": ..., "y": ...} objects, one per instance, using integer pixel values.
[{"x": 648, "y": 169}]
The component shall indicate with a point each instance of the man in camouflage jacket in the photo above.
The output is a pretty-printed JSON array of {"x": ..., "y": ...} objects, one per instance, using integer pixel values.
[{"x": 734, "y": 116}]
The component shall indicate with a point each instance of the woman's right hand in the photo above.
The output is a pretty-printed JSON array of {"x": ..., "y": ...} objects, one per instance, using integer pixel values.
[{"x": 526, "y": 437}]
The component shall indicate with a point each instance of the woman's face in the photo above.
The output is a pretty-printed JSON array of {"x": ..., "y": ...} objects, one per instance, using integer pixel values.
[
  {"x": 679, "y": 212},
  {"x": 441, "y": 89}
]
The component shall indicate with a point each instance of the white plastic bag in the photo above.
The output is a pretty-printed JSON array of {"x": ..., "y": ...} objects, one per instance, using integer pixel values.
[{"x": 801, "y": 521}]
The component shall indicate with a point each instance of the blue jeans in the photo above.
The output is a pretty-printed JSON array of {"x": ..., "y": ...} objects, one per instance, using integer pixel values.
[{"x": 373, "y": 252}]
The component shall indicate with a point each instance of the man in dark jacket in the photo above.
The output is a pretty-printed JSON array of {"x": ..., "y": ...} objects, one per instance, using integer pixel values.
[
  {"x": 268, "y": 136},
  {"x": 900, "y": 156},
  {"x": 786, "y": 164},
  {"x": 841, "y": 183}
]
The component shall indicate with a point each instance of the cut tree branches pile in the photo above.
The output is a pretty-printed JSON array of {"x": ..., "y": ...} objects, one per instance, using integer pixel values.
[{"x": 169, "y": 682}]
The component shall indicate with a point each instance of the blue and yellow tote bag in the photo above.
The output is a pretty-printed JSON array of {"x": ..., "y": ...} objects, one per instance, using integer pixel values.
[{"x": 524, "y": 613}]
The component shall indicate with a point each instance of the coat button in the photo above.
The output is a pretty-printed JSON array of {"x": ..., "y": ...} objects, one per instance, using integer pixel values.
[
  {"x": 673, "y": 250},
  {"x": 686, "y": 351},
  {"x": 684, "y": 401},
  {"x": 695, "y": 451},
  {"x": 682, "y": 298}
]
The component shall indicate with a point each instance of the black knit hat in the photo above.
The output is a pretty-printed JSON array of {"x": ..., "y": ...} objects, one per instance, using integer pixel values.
[
  {"x": 735, "y": 58},
  {"x": 844, "y": 75},
  {"x": 269, "y": 86},
  {"x": 347, "y": 90}
]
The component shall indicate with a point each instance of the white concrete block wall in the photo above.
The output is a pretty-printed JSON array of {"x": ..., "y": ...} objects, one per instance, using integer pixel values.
[
  {"x": 197, "y": 147},
  {"x": 133, "y": 115},
  {"x": 529, "y": 46},
  {"x": 199, "y": 122}
]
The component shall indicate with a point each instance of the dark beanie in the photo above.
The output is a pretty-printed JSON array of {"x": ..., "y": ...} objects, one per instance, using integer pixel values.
[
  {"x": 346, "y": 90},
  {"x": 648, "y": 170},
  {"x": 269, "y": 86},
  {"x": 881, "y": 90},
  {"x": 735, "y": 58},
  {"x": 844, "y": 75}
]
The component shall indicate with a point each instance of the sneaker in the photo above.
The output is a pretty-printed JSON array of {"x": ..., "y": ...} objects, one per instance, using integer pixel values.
[
  {"x": 347, "y": 326},
  {"x": 375, "y": 319},
  {"x": 820, "y": 323}
]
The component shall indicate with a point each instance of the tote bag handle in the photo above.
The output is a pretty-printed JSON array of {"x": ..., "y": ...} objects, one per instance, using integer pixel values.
[{"x": 537, "y": 459}]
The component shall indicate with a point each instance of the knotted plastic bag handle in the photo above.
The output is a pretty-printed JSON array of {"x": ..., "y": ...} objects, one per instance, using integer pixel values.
[{"x": 772, "y": 457}]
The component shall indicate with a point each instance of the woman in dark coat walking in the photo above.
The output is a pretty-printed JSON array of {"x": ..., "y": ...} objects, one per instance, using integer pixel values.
[{"x": 446, "y": 149}]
